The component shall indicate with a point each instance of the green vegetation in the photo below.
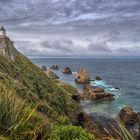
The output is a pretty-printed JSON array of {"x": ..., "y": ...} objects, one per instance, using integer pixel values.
[
  {"x": 123, "y": 133},
  {"x": 21, "y": 122},
  {"x": 17, "y": 121},
  {"x": 68, "y": 88},
  {"x": 120, "y": 133},
  {"x": 32, "y": 84},
  {"x": 70, "y": 132},
  {"x": 30, "y": 102}
]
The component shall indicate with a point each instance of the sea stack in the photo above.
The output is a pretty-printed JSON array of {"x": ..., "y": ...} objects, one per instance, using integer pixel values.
[
  {"x": 54, "y": 67},
  {"x": 67, "y": 70},
  {"x": 82, "y": 77},
  {"x": 98, "y": 78}
]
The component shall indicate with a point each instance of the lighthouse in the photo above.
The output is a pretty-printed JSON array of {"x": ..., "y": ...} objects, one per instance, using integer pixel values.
[{"x": 2, "y": 32}]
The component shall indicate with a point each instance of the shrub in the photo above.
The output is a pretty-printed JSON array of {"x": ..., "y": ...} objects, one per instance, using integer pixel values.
[
  {"x": 63, "y": 120},
  {"x": 70, "y": 132}
]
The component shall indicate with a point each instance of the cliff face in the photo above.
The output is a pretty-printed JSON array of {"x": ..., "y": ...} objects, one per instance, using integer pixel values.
[
  {"x": 6, "y": 48},
  {"x": 44, "y": 103},
  {"x": 31, "y": 83}
]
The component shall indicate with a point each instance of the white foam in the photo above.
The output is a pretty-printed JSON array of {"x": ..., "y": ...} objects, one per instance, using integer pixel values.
[
  {"x": 101, "y": 83},
  {"x": 107, "y": 87},
  {"x": 74, "y": 72},
  {"x": 113, "y": 89}
]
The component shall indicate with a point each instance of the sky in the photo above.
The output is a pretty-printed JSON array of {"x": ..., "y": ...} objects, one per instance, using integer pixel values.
[{"x": 73, "y": 28}]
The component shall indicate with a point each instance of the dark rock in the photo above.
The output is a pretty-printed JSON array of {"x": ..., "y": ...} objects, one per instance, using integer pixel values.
[
  {"x": 105, "y": 122},
  {"x": 44, "y": 68},
  {"x": 54, "y": 67},
  {"x": 51, "y": 74},
  {"x": 67, "y": 70},
  {"x": 76, "y": 97},
  {"x": 128, "y": 116},
  {"x": 117, "y": 88},
  {"x": 82, "y": 77},
  {"x": 81, "y": 118},
  {"x": 98, "y": 78}
]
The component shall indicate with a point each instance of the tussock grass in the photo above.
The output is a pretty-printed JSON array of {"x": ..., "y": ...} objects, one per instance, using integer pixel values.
[
  {"x": 11, "y": 108},
  {"x": 121, "y": 133},
  {"x": 124, "y": 134},
  {"x": 17, "y": 121}
]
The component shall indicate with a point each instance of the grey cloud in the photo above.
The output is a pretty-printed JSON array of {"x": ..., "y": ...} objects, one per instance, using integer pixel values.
[
  {"x": 99, "y": 47},
  {"x": 63, "y": 45},
  {"x": 129, "y": 50},
  {"x": 101, "y": 21}
]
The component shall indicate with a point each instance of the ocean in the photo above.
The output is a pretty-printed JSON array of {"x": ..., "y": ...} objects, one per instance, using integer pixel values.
[{"x": 116, "y": 73}]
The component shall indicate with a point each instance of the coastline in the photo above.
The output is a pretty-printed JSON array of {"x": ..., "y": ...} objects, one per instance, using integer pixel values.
[{"x": 99, "y": 121}]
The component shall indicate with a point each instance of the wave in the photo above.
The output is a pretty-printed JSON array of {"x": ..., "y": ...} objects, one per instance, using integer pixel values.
[
  {"x": 109, "y": 88},
  {"x": 74, "y": 72}
]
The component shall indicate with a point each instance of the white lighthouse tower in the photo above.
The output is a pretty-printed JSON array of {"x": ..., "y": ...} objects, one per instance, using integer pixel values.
[{"x": 2, "y": 31}]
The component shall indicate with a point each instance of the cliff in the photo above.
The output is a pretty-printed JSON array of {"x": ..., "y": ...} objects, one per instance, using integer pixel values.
[
  {"x": 30, "y": 101},
  {"x": 7, "y": 48}
]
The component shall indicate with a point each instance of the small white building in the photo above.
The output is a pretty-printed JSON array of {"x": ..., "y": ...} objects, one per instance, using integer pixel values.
[{"x": 2, "y": 31}]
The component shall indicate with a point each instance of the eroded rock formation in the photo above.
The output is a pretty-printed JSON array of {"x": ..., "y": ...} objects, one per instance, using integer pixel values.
[
  {"x": 67, "y": 70},
  {"x": 96, "y": 93},
  {"x": 82, "y": 77}
]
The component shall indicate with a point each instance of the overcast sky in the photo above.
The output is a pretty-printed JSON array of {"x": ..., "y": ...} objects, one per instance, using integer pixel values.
[{"x": 83, "y": 28}]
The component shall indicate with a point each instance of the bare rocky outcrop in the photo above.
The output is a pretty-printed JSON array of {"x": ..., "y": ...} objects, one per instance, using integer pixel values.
[
  {"x": 44, "y": 68},
  {"x": 128, "y": 116},
  {"x": 96, "y": 93},
  {"x": 7, "y": 48},
  {"x": 82, "y": 77},
  {"x": 51, "y": 74},
  {"x": 76, "y": 97},
  {"x": 67, "y": 70},
  {"x": 54, "y": 67},
  {"x": 98, "y": 78}
]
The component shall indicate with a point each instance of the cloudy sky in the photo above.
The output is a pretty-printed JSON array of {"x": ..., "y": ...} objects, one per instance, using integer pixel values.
[{"x": 80, "y": 28}]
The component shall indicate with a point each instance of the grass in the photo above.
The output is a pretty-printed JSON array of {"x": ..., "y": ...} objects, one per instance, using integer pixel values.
[
  {"x": 124, "y": 134},
  {"x": 121, "y": 133},
  {"x": 32, "y": 85},
  {"x": 67, "y": 87},
  {"x": 17, "y": 121},
  {"x": 11, "y": 108}
]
